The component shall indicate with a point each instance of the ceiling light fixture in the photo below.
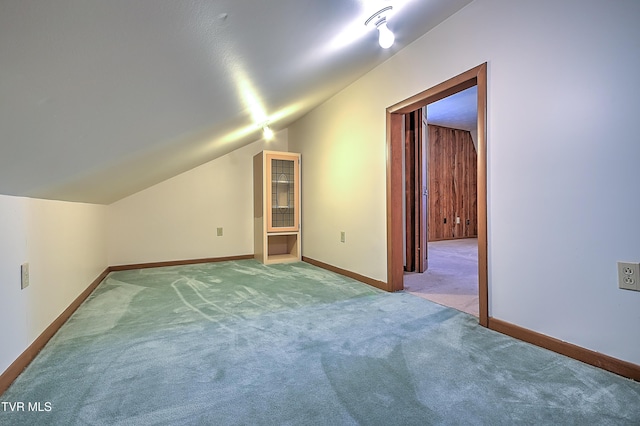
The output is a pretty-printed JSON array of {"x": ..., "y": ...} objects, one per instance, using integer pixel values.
[
  {"x": 267, "y": 132},
  {"x": 379, "y": 19}
]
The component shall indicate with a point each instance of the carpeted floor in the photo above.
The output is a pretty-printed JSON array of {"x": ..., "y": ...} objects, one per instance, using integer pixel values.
[
  {"x": 452, "y": 277},
  {"x": 240, "y": 343}
]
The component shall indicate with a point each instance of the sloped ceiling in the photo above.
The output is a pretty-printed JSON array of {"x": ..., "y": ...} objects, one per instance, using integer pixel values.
[{"x": 100, "y": 99}]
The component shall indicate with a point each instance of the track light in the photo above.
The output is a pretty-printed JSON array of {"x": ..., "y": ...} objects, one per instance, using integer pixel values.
[{"x": 379, "y": 19}]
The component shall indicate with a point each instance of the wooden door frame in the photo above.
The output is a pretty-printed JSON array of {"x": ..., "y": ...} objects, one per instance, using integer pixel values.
[{"x": 395, "y": 146}]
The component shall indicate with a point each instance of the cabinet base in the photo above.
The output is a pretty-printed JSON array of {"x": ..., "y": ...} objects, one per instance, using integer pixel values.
[{"x": 282, "y": 248}]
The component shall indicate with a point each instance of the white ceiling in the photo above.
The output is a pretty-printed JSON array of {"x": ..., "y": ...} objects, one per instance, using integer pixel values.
[
  {"x": 100, "y": 99},
  {"x": 458, "y": 111}
]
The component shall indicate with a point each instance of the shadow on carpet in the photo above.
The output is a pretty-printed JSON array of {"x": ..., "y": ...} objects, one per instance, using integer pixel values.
[{"x": 240, "y": 343}]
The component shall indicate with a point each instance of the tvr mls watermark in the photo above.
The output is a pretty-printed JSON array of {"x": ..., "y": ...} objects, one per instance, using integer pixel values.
[{"x": 28, "y": 406}]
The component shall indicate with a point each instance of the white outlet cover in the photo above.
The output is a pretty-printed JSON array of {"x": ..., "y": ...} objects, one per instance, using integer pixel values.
[
  {"x": 24, "y": 275},
  {"x": 629, "y": 275}
]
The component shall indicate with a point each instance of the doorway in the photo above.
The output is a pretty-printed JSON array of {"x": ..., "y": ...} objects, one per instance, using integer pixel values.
[
  {"x": 395, "y": 176},
  {"x": 448, "y": 129}
]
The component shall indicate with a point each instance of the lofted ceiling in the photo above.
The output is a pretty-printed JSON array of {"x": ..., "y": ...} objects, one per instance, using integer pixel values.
[{"x": 100, "y": 99}]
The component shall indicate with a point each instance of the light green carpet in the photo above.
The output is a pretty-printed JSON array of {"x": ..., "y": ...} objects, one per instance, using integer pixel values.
[{"x": 240, "y": 343}]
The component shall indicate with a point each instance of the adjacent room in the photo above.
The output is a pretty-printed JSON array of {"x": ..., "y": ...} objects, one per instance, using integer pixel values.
[
  {"x": 232, "y": 213},
  {"x": 445, "y": 203}
]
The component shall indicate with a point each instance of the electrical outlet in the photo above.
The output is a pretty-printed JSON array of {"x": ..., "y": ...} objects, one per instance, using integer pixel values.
[
  {"x": 629, "y": 275},
  {"x": 219, "y": 232},
  {"x": 457, "y": 220},
  {"x": 343, "y": 236},
  {"x": 24, "y": 275}
]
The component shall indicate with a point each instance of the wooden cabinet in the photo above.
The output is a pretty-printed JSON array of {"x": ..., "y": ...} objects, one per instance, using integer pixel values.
[{"x": 276, "y": 207}]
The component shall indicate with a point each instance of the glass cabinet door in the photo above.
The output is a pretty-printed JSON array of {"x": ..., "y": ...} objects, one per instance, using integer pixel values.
[{"x": 282, "y": 196}]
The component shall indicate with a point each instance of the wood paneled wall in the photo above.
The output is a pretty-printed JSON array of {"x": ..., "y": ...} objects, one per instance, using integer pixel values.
[{"x": 452, "y": 168}]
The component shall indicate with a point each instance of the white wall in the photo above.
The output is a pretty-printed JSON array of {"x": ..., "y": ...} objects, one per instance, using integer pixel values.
[
  {"x": 14, "y": 333},
  {"x": 177, "y": 219},
  {"x": 65, "y": 246},
  {"x": 563, "y": 156}
]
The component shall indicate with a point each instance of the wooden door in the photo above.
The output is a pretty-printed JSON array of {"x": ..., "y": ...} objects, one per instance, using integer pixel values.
[
  {"x": 423, "y": 173},
  {"x": 410, "y": 195},
  {"x": 415, "y": 192}
]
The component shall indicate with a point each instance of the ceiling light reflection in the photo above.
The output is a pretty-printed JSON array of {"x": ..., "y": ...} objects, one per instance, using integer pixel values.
[
  {"x": 253, "y": 129},
  {"x": 251, "y": 100},
  {"x": 352, "y": 33}
]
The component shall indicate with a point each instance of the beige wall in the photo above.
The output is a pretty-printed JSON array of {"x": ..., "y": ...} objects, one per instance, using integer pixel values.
[
  {"x": 343, "y": 180},
  {"x": 177, "y": 219},
  {"x": 560, "y": 210},
  {"x": 65, "y": 246}
]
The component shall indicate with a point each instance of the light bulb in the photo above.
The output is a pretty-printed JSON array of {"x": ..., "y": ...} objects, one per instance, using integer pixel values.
[
  {"x": 386, "y": 38},
  {"x": 267, "y": 132}
]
